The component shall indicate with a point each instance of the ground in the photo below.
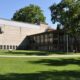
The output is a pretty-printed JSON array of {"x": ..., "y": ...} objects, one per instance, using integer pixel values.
[
  {"x": 31, "y": 52},
  {"x": 39, "y": 68}
]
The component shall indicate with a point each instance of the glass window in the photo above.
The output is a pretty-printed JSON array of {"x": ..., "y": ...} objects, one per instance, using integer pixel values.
[
  {"x": 7, "y": 46},
  {"x": 45, "y": 35},
  {"x": 4, "y": 46},
  {"x": 51, "y": 35},
  {"x": 13, "y": 47},
  {"x": 41, "y": 36},
  {"x": 10, "y": 47},
  {"x": 51, "y": 40}
]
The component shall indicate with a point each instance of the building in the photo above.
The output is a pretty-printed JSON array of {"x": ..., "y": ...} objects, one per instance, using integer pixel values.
[
  {"x": 13, "y": 34},
  {"x": 51, "y": 41},
  {"x": 54, "y": 40},
  {"x": 23, "y": 36}
]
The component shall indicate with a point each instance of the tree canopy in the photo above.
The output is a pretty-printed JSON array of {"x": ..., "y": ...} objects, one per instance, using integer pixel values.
[
  {"x": 67, "y": 13},
  {"x": 31, "y": 14}
]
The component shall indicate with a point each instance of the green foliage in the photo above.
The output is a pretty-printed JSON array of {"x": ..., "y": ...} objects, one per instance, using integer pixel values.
[
  {"x": 67, "y": 13},
  {"x": 31, "y": 14},
  {"x": 58, "y": 27}
]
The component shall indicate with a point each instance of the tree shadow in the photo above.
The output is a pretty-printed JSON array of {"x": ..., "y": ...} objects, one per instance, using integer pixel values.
[
  {"x": 28, "y": 52},
  {"x": 43, "y": 75},
  {"x": 57, "y": 62}
]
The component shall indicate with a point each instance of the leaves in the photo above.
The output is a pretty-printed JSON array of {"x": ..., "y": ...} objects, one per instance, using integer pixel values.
[
  {"x": 31, "y": 14},
  {"x": 67, "y": 13}
]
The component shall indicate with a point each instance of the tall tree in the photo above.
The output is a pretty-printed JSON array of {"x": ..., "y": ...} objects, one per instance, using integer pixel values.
[
  {"x": 31, "y": 14},
  {"x": 67, "y": 13}
]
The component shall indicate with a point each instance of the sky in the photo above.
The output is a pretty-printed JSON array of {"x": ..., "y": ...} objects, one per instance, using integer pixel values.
[{"x": 9, "y": 7}]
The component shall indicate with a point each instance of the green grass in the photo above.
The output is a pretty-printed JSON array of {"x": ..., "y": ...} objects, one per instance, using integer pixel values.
[
  {"x": 39, "y": 68},
  {"x": 23, "y": 52},
  {"x": 30, "y": 52}
]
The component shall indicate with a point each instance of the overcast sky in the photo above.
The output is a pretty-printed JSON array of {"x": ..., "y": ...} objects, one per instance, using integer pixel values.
[{"x": 9, "y": 7}]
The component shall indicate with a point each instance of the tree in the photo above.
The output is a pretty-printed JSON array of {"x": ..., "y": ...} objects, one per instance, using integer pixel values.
[
  {"x": 67, "y": 13},
  {"x": 58, "y": 27},
  {"x": 30, "y": 14}
]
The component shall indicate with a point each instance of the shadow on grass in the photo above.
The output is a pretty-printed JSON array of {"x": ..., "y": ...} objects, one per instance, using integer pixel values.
[
  {"x": 57, "y": 62},
  {"x": 34, "y": 52},
  {"x": 27, "y": 52},
  {"x": 44, "y": 75}
]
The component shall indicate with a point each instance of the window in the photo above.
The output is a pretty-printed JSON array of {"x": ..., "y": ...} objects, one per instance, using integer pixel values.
[
  {"x": 7, "y": 47},
  {"x": 50, "y": 35},
  {"x": 51, "y": 40},
  {"x": 38, "y": 39},
  {"x": 0, "y": 46},
  {"x": 13, "y": 47},
  {"x": 4, "y": 46},
  {"x": 10, "y": 47}
]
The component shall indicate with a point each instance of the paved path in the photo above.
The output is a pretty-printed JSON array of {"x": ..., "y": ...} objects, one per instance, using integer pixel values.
[{"x": 53, "y": 56}]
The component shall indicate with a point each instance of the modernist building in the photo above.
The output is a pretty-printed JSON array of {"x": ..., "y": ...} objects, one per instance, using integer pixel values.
[
  {"x": 13, "y": 34},
  {"x": 53, "y": 41},
  {"x": 50, "y": 40},
  {"x": 19, "y": 35}
]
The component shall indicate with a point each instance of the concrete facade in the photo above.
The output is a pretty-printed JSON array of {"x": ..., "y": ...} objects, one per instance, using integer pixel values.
[{"x": 13, "y": 33}]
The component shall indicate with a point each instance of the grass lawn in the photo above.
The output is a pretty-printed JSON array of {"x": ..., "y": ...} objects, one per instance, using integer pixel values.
[
  {"x": 23, "y": 52},
  {"x": 30, "y": 52},
  {"x": 39, "y": 68}
]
